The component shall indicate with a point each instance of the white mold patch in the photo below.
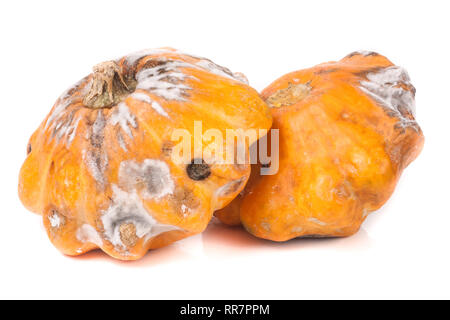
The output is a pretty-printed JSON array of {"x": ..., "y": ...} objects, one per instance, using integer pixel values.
[
  {"x": 55, "y": 220},
  {"x": 124, "y": 118},
  {"x": 62, "y": 122},
  {"x": 96, "y": 157},
  {"x": 203, "y": 62},
  {"x": 155, "y": 105},
  {"x": 132, "y": 58},
  {"x": 72, "y": 130},
  {"x": 185, "y": 210},
  {"x": 96, "y": 164},
  {"x": 121, "y": 141},
  {"x": 87, "y": 233},
  {"x": 62, "y": 104},
  {"x": 151, "y": 177},
  {"x": 387, "y": 87},
  {"x": 127, "y": 208},
  {"x": 57, "y": 113},
  {"x": 99, "y": 124},
  {"x": 142, "y": 97},
  {"x": 317, "y": 221},
  {"x": 165, "y": 80},
  {"x": 221, "y": 71},
  {"x": 364, "y": 53}
]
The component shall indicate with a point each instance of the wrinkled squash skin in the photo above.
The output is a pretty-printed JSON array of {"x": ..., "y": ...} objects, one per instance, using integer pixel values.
[
  {"x": 103, "y": 177},
  {"x": 347, "y": 131}
]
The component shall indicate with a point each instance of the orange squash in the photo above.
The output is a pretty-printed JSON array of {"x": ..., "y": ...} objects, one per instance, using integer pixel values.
[
  {"x": 346, "y": 132},
  {"x": 99, "y": 168}
]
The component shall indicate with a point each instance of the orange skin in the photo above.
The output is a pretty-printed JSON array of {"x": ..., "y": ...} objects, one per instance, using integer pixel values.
[
  {"x": 71, "y": 182},
  {"x": 342, "y": 152}
]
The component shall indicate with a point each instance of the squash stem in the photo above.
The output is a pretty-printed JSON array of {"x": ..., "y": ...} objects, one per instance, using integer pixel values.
[{"x": 108, "y": 86}]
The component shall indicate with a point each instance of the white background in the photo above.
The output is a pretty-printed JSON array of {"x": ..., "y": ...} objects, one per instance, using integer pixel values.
[{"x": 402, "y": 251}]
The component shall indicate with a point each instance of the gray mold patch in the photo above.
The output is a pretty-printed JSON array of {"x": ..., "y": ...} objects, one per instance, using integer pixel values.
[
  {"x": 134, "y": 57},
  {"x": 364, "y": 53},
  {"x": 96, "y": 163},
  {"x": 87, "y": 233},
  {"x": 124, "y": 118},
  {"x": 203, "y": 63},
  {"x": 151, "y": 177},
  {"x": 63, "y": 121},
  {"x": 166, "y": 80},
  {"x": 95, "y": 156},
  {"x": 127, "y": 208},
  {"x": 387, "y": 87}
]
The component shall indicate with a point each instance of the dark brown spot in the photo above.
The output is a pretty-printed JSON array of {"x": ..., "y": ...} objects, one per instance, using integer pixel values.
[
  {"x": 198, "y": 170},
  {"x": 52, "y": 167},
  {"x": 29, "y": 148}
]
